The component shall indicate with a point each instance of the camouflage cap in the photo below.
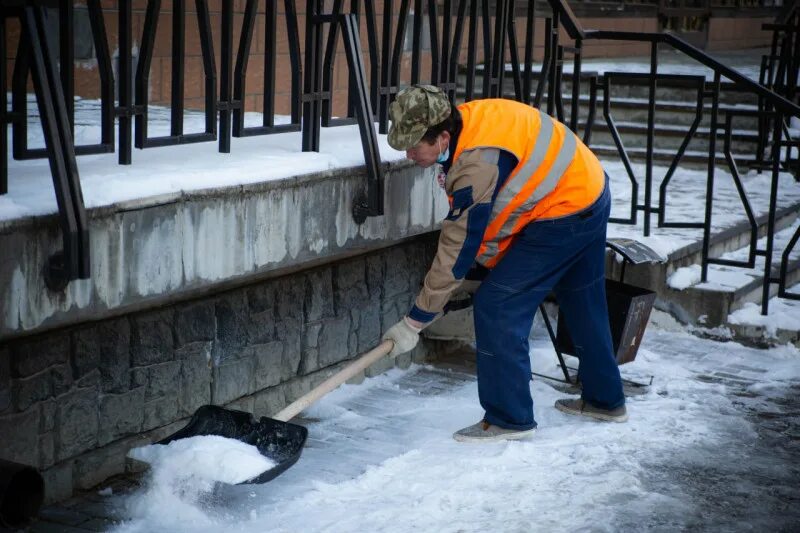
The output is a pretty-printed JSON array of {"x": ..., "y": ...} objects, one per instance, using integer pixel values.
[{"x": 416, "y": 109}]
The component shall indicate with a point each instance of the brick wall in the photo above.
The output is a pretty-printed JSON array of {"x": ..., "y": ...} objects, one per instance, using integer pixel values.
[
  {"x": 73, "y": 401},
  {"x": 724, "y": 33}
]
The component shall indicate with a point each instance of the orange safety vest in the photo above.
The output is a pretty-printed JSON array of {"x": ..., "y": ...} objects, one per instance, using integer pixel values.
[{"x": 556, "y": 174}]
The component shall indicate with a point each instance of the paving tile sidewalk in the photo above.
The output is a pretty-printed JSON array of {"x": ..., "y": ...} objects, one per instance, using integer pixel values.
[{"x": 366, "y": 425}]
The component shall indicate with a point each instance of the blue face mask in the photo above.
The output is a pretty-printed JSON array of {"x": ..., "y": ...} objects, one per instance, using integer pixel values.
[{"x": 443, "y": 156}]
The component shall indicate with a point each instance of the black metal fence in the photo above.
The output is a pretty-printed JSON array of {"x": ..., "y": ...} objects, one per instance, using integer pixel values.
[{"x": 436, "y": 35}]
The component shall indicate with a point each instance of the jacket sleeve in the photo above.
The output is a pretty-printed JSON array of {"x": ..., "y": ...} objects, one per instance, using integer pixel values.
[{"x": 470, "y": 186}]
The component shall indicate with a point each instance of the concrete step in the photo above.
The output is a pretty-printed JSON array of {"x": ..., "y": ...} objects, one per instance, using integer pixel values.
[
  {"x": 667, "y": 112},
  {"x": 670, "y": 137},
  {"x": 681, "y": 90},
  {"x": 708, "y": 305}
]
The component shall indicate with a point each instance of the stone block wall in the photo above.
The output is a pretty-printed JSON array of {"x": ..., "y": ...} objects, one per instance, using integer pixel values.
[{"x": 74, "y": 400}]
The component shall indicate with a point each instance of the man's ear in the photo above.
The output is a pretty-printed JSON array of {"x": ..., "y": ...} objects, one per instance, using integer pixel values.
[{"x": 445, "y": 137}]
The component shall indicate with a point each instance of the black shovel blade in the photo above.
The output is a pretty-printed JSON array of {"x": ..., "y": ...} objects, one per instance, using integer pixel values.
[{"x": 278, "y": 441}]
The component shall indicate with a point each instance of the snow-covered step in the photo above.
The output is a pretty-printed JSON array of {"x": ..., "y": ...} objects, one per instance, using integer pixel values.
[{"x": 730, "y": 288}]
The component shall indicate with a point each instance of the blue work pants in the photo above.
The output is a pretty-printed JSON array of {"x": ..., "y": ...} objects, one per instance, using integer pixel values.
[{"x": 565, "y": 255}]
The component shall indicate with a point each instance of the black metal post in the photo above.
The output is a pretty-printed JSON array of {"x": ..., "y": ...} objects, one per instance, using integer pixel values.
[
  {"x": 712, "y": 156},
  {"x": 312, "y": 81},
  {"x": 472, "y": 43},
  {"x": 66, "y": 37},
  {"x": 4, "y": 119},
  {"x": 455, "y": 50},
  {"x": 209, "y": 65},
  {"x": 552, "y": 87},
  {"x": 514, "y": 53},
  {"x": 125, "y": 103},
  {"x": 240, "y": 71},
  {"x": 587, "y": 133},
  {"x": 416, "y": 42},
  {"x": 436, "y": 56},
  {"x": 366, "y": 122},
  {"x": 328, "y": 64},
  {"x": 178, "y": 57},
  {"x": 773, "y": 207},
  {"x": 294, "y": 58},
  {"x": 576, "y": 86},
  {"x": 386, "y": 54},
  {"x": 374, "y": 56},
  {"x": 488, "y": 59},
  {"x": 106, "y": 72},
  {"x": 651, "y": 121},
  {"x": 143, "y": 70},
  {"x": 226, "y": 75},
  {"x": 530, "y": 23}
]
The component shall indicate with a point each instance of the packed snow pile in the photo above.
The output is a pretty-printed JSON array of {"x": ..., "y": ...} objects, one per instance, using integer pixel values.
[
  {"x": 184, "y": 471},
  {"x": 684, "y": 277}
]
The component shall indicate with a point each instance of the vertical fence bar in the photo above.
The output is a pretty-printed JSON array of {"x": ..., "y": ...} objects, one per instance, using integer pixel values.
[
  {"x": 386, "y": 54},
  {"x": 773, "y": 206},
  {"x": 312, "y": 80},
  {"x": 242, "y": 60},
  {"x": 374, "y": 56},
  {"x": 433, "y": 26},
  {"x": 66, "y": 37},
  {"x": 143, "y": 70},
  {"x": 397, "y": 55},
  {"x": 576, "y": 86},
  {"x": 19, "y": 101},
  {"x": 488, "y": 60},
  {"x": 651, "y": 122},
  {"x": 552, "y": 87},
  {"x": 513, "y": 48},
  {"x": 178, "y": 56},
  {"x": 447, "y": 30},
  {"x": 587, "y": 132},
  {"x": 3, "y": 113},
  {"x": 125, "y": 81},
  {"x": 544, "y": 75},
  {"x": 416, "y": 41},
  {"x": 455, "y": 50},
  {"x": 328, "y": 64},
  {"x": 294, "y": 58},
  {"x": 209, "y": 65},
  {"x": 226, "y": 75},
  {"x": 472, "y": 42},
  {"x": 712, "y": 155},
  {"x": 270, "y": 63},
  {"x": 355, "y": 9},
  {"x": 106, "y": 73},
  {"x": 530, "y": 23}
]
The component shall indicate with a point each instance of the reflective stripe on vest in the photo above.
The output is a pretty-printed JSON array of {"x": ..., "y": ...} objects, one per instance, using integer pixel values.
[{"x": 509, "y": 207}]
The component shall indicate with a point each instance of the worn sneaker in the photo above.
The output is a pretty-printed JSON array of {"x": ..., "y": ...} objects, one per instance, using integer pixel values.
[
  {"x": 486, "y": 432},
  {"x": 580, "y": 407}
]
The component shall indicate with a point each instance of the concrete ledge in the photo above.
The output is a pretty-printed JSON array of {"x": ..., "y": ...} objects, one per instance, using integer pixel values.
[{"x": 158, "y": 250}]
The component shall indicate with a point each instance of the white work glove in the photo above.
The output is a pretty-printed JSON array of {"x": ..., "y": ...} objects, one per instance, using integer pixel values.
[{"x": 404, "y": 335}]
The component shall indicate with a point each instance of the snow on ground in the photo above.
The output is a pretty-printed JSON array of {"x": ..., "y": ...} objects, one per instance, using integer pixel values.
[
  {"x": 182, "y": 471},
  {"x": 187, "y": 167},
  {"x": 173, "y": 169},
  {"x": 745, "y": 62},
  {"x": 783, "y": 314},
  {"x": 729, "y": 278},
  {"x": 381, "y": 457}
]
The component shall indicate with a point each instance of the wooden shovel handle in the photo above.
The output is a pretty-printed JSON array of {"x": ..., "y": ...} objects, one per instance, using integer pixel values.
[{"x": 311, "y": 397}]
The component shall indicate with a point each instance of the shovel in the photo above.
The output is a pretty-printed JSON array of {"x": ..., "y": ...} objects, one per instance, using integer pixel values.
[{"x": 276, "y": 438}]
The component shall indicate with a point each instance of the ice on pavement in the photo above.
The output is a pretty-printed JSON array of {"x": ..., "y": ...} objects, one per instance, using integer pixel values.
[
  {"x": 381, "y": 458},
  {"x": 185, "y": 470}
]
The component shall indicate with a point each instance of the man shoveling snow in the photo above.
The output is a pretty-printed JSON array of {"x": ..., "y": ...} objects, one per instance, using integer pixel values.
[{"x": 529, "y": 206}]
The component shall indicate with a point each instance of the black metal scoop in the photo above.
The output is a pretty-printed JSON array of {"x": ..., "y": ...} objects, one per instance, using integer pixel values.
[
  {"x": 278, "y": 441},
  {"x": 275, "y": 438}
]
